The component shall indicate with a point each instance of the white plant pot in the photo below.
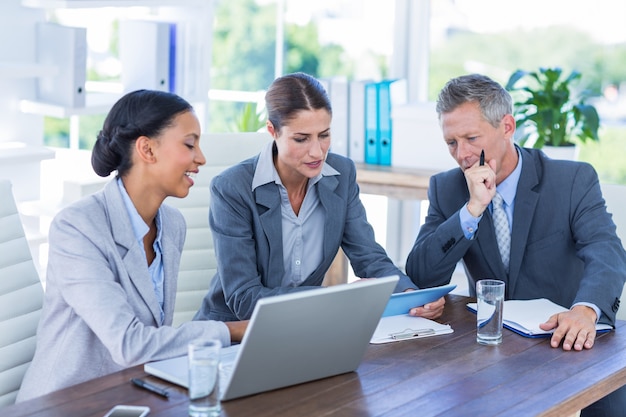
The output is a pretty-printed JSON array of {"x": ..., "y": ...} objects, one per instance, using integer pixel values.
[{"x": 561, "y": 152}]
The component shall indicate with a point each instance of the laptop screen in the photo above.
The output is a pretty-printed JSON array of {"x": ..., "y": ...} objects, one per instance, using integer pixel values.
[{"x": 300, "y": 337}]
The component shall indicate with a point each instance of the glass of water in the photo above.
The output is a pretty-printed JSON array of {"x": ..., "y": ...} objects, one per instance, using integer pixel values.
[
  {"x": 490, "y": 297},
  {"x": 204, "y": 390}
]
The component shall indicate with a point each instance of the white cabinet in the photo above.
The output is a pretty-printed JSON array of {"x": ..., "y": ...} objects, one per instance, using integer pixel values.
[
  {"x": 23, "y": 159},
  {"x": 64, "y": 4},
  {"x": 194, "y": 23},
  {"x": 16, "y": 70}
]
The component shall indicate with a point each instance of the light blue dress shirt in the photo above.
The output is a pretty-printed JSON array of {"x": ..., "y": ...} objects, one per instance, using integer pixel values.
[
  {"x": 303, "y": 235},
  {"x": 507, "y": 190},
  {"x": 140, "y": 229}
]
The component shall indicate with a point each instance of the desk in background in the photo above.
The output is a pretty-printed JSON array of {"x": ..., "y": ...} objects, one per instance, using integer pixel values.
[
  {"x": 394, "y": 182},
  {"x": 397, "y": 183},
  {"x": 447, "y": 375}
]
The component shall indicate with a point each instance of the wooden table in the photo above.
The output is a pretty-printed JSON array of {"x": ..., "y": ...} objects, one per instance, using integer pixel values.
[
  {"x": 447, "y": 375},
  {"x": 394, "y": 182}
]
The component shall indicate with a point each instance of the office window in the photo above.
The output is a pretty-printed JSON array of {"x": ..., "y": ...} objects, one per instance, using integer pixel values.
[
  {"x": 255, "y": 41},
  {"x": 103, "y": 71},
  {"x": 487, "y": 37},
  {"x": 183, "y": 27}
]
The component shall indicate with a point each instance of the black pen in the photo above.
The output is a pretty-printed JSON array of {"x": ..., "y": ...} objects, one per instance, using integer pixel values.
[
  {"x": 152, "y": 388},
  {"x": 482, "y": 157}
]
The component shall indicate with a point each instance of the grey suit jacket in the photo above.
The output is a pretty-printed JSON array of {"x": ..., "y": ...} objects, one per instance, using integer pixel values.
[
  {"x": 100, "y": 310},
  {"x": 563, "y": 245},
  {"x": 247, "y": 233}
]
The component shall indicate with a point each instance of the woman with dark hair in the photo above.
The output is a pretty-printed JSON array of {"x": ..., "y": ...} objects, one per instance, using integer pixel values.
[
  {"x": 278, "y": 219},
  {"x": 114, "y": 255}
]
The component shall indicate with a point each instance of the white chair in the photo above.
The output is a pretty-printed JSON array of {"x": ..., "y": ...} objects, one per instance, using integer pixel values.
[
  {"x": 615, "y": 197},
  {"x": 21, "y": 298},
  {"x": 198, "y": 263}
]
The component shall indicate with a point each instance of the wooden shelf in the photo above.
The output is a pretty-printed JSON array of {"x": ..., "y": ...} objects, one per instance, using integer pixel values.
[
  {"x": 25, "y": 70},
  {"x": 394, "y": 182},
  {"x": 19, "y": 153},
  {"x": 96, "y": 103}
]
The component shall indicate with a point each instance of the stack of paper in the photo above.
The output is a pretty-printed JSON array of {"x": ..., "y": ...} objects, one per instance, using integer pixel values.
[{"x": 404, "y": 327}]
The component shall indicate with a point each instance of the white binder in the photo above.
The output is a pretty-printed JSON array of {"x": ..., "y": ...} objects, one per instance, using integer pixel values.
[
  {"x": 145, "y": 54},
  {"x": 64, "y": 48},
  {"x": 339, "y": 124},
  {"x": 356, "y": 120}
]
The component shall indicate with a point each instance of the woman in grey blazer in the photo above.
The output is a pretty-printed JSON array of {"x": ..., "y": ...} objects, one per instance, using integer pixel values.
[
  {"x": 278, "y": 219},
  {"x": 114, "y": 255}
]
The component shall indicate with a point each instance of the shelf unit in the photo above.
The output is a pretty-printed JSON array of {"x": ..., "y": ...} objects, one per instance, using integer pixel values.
[
  {"x": 57, "y": 166},
  {"x": 96, "y": 103},
  {"x": 196, "y": 16},
  {"x": 24, "y": 70},
  {"x": 67, "y": 4}
]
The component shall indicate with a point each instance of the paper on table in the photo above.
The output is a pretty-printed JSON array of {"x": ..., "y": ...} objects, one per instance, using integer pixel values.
[
  {"x": 404, "y": 327},
  {"x": 525, "y": 316}
]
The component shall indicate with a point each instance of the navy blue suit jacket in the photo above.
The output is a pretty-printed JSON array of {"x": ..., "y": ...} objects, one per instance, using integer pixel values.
[{"x": 563, "y": 244}]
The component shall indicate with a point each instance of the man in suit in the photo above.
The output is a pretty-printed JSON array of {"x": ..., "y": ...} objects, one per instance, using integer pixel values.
[{"x": 561, "y": 242}]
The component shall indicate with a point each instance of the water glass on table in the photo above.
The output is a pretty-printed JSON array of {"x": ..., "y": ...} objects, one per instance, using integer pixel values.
[
  {"x": 204, "y": 390},
  {"x": 490, "y": 298}
]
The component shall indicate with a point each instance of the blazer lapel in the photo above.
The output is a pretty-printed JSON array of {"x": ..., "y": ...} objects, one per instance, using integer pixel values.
[
  {"x": 525, "y": 203},
  {"x": 268, "y": 201},
  {"x": 335, "y": 209},
  {"x": 171, "y": 264},
  {"x": 132, "y": 255}
]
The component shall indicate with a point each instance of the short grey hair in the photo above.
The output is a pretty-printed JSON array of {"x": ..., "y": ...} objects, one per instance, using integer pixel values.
[{"x": 494, "y": 101}]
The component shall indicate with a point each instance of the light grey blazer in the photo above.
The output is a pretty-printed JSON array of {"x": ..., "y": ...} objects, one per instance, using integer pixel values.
[
  {"x": 247, "y": 232},
  {"x": 100, "y": 311},
  {"x": 563, "y": 245}
]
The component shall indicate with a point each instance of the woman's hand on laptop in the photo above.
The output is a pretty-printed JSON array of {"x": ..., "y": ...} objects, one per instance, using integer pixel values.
[{"x": 429, "y": 311}]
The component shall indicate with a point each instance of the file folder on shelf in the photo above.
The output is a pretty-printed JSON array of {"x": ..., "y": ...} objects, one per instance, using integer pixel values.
[
  {"x": 371, "y": 123},
  {"x": 64, "y": 48},
  {"x": 390, "y": 93},
  {"x": 380, "y": 97},
  {"x": 173, "y": 60},
  {"x": 339, "y": 125},
  {"x": 356, "y": 120},
  {"x": 146, "y": 55}
]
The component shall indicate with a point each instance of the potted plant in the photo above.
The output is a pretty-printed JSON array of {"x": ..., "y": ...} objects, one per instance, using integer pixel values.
[
  {"x": 548, "y": 113},
  {"x": 251, "y": 119}
]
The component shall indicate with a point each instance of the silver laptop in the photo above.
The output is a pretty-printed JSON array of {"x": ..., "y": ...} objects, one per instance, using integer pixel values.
[{"x": 296, "y": 338}]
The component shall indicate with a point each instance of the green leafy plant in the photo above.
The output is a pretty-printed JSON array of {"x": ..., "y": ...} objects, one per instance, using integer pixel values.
[
  {"x": 250, "y": 119},
  {"x": 547, "y": 111}
]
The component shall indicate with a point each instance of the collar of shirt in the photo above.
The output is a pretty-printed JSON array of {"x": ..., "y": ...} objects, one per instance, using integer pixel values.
[
  {"x": 140, "y": 228},
  {"x": 508, "y": 187},
  {"x": 266, "y": 171}
]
